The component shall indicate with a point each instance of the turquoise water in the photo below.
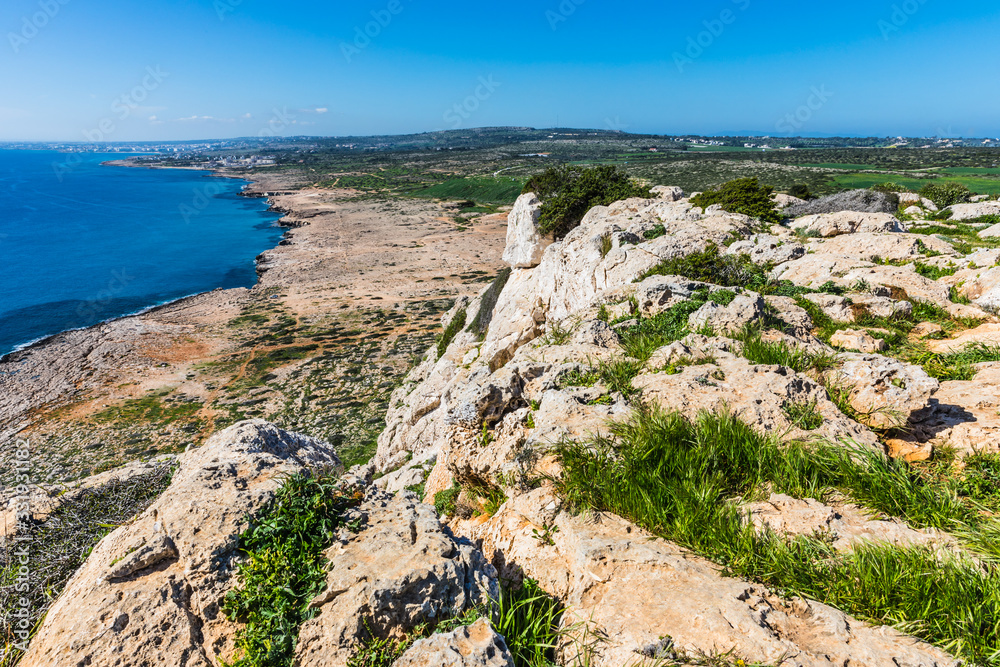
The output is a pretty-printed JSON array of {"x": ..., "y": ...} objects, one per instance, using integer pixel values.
[{"x": 81, "y": 243}]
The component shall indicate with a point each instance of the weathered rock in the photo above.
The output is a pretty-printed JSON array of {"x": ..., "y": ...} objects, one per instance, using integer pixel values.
[
  {"x": 902, "y": 281},
  {"x": 767, "y": 249},
  {"x": 745, "y": 309},
  {"x": 150, "y": 592},
  {"x": 983, "y": 289},
  {"x": 846, "y": 222},
  {"x": 862, "y": 201},
  {"x": 883, "y": 391},
  {"x": 985, "y": 334},
  {"x": 971, "y": 211},
  {"x": 835, "y": 307},
  {"x": 668, "y": 192},
  {"x": 600, "y": 565},
  {"x": 963, "y": 415},
  {"x": 403, "y": 568},
  {"x": 756, "y": 394},
  {"x": 858, "y": 341},
  {"x": 524, "y": 243},
  {"x": 881, "y": 306},
  {"x": 476, "y": 645},
  {"x": 914, "y": 198},
  {"x": 888, "y": 247},
  {"x": 659, "y": 293},
  {"x": 799, "y": 323},
  {"x": 846, "y": 526},
  {"x": 783, "y": 201},
  {"x": 927, "y": 329}
]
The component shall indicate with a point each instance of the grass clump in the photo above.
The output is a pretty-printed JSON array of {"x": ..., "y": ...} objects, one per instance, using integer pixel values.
[
  {"x": 454, "y": 327},
  {"x": 446, "y": 501},
  {"x": 58, "y": 546},
  {"x": 803, "y": 415},
  {"x": 568, "y": 192},
  {"x": 743, "y": 195},
  {"x": 284, "y": 567},
  {"x": 684, "y": 480}
]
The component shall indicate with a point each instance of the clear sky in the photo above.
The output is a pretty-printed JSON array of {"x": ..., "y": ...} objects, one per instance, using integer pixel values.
[{"x": 126, "y": 70}]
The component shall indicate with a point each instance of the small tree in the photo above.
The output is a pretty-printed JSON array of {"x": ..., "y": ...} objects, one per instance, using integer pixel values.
[
  {"x": 946, "y": 194},
  {"x": 567, "y": 193},
  {"x": 744, "y": 195},
  {"x": 800, "y": 190}
]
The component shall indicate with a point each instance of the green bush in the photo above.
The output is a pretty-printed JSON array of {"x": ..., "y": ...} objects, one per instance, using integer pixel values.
[
  {"x": 568, "y": 192},
  {"x": 801, "y": 191},
  {"x": 284, "y": 568},
  {"x": 744, "y": 195},
  {"x": 946, "y": 194},
  {"x": 452, "y": 330}
]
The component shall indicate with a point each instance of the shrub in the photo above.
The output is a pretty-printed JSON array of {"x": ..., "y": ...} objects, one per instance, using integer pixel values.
[
  {"x": 801, "y": 191},
  {"x": 284, "y": 567},
  {"x": 888, "y": 188},
  {"x": 744, "y": 195},
  {"x": 481, "y": 323},
  {"x": 946, "y": 194},
  {"x": 568, "y": 192}
]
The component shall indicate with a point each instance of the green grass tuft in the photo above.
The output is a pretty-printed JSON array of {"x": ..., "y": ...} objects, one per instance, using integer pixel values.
[{"x": 454, "y": 327}]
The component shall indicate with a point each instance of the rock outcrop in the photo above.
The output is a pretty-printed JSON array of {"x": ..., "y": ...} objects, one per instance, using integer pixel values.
[
  {"x": 150, "y": 592},
  {"x": 861, "y": 201},
  {"x": 476, "y": 645},
  {"x": 524, "y": 243}
]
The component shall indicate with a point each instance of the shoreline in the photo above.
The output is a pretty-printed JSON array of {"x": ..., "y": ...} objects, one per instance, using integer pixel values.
[
  {"x": 43, "y": 340},
  {"x": 353, "y": 283}
]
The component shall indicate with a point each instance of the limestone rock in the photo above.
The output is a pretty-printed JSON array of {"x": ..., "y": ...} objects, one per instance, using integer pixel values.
[
  {"x": 668, "y": 192},
  {"x": 986, "y": 334},
  {"x": 914, "y": 198},
  {"x": 971, "y": 211},
  {"x": 403, "y": 568},
  {"x": 846, "y": 222},
  {"x": 601, "y": 565},
  {"x": 835, "y": 307},
  {"x": 746, "y": 308},
  {"x": 884, "y": 391},
  {"x": 659, "y": 293},
  {"x": 846, "y": 526},
  {"x": 476, "y": 645},
  {"x": 859, "y": 341},
  {"x": 799, "y": 323},
  {"x": 927, "y": 330},
  {"x": 783, "y": 201},
  {"x": 767, "y": 249},
  {"x": 888, "y": 247},
  {"x": 756, "y": 394},
  {"x": 963, "y": 415},
  {"x": 862, "y": 201},
  {"x": 881, "y": 306},
  {"x": 524, "y": 243},
  {"x": 150, "y": 591}
]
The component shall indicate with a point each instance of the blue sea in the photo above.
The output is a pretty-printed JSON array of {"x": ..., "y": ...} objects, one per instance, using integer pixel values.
[{"x": 81, "y": 243}]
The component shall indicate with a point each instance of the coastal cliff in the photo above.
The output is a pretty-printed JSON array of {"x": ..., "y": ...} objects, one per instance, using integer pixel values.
[{"x": 690, "y": 430}]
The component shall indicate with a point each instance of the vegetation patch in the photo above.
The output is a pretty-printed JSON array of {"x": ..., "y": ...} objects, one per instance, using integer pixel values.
[
  {"x": 684, "y": 480},
  {"x": 454, "y": 327},
  {"x": 568, "y": 192},
  {"x": 711, "y": 266},
  {"x": 481, "y": 322},
  {"x": 743, "y": 195},
  {"x": 284, "y": 567},
  {"x": 476, "y": 188},
  {"x": 58, "y": 546}
]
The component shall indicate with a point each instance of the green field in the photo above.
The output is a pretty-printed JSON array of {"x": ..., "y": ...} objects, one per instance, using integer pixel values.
[
  {"x": 848, "y": 167},
  {"x": 481, "y": 189},
  {"x": 724, "y": 149},
  {"x": 985, "y": 186},
  {"x": 970, "y": 171}
]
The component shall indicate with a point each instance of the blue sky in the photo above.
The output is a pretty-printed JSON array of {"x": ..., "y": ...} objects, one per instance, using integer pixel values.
[{"x": 125, "y": 70}]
